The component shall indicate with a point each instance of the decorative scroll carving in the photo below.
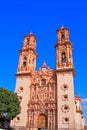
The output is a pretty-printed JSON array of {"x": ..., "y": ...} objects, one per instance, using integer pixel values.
[
  {"x": 43, "y": 93},
  {"x": 42, "y": 99}
]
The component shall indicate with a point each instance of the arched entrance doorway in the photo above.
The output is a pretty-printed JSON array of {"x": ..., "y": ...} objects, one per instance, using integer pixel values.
[{"x": 42, "y": 122}]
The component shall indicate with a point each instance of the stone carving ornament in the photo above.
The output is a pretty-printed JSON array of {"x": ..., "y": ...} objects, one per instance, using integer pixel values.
[{"x": 43, "y": 93}]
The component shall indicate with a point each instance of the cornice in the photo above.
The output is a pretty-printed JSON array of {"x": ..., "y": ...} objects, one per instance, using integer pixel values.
[
  {"x": 62, "y": 28},
  {"x": 29, "y": 35},
  {"x": 23, "y": 74},
  {"x": 63, "y": 43},
  {"x": 65, "y": 70},
  {"x": 27, "y": 49}
]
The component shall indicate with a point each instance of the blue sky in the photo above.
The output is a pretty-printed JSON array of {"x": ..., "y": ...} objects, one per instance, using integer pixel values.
[{"x": 19, "y": 17}]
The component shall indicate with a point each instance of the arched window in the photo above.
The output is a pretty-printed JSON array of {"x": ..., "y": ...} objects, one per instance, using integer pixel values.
[
  {"x": 24, "y": 61},
  {"x": 43, "y": 82},
  {"x": 63, "y": 57},
  {"x": 63, "y": 36},
  {"x": 27, "y": 41}
]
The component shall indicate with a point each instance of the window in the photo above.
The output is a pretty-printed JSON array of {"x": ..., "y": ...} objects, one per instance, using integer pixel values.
[
  {"x": 66, "y": 119},
  {"x": 27, "y": 41},
  {"x": 65, "y": 87},
  {"x": 20, "y": 89},
  {"x": 65, "y": 97},
  {"x": 24, "y": 61},
  {"x": 63, "y": 57},
  {"x": 43, "y": 82},
  {"x": 66, "y": 107},
  {"x": 63, "y": 36},
  {"x": 20, "y": 98},
  {"x": 18, "y": 118}
]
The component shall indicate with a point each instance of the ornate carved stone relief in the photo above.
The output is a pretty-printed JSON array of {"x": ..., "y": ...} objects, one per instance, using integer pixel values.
[{"x": 42, "y": 95}]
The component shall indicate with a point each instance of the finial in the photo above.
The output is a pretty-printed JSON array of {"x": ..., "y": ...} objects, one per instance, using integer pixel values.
[
  {"x": 30, "y": 33},
  {"x": 44, "y": 64},
  {"x": 62, "y": 27}
]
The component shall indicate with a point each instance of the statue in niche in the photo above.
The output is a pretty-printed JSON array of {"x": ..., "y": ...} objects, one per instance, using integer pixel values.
[{"x": 33, "y": 92}]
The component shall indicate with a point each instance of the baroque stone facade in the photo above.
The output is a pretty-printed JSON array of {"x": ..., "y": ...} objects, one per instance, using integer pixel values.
[{"x": 47, "y": 96}]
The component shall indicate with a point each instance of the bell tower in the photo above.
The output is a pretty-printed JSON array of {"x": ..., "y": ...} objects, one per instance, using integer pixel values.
[
  {"x": 65, "y": 74},
  {"x": 63, "y": 50},
  {"x": 26, "y": 66},
  {"x": 27, "y": 60}
]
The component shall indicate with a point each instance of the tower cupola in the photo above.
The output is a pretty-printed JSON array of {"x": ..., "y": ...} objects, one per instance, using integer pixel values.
[
  {"x": 27, "y": 60},
  {"x": 62, "y": 35},
  {"x": 63, "y": 47}
]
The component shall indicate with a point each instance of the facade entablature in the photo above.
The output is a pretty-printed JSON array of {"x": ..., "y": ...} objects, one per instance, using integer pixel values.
[{"x": 38, "y": 105}]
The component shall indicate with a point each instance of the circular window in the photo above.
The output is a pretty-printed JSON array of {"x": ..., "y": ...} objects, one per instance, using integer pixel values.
[
  {"x": 20, "y": 97},
  {"x": 18, "y": 118},
  {"x": 64, "y": 87},
  {"x": 20, "y": 89},
  {"x": 66, "y": 119},
  {"x": 65, "y": 96},
  {"x": 66, "y": 107}
]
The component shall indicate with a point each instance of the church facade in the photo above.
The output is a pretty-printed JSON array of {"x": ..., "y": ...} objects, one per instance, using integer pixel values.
[{"x": 47, "y": 96}]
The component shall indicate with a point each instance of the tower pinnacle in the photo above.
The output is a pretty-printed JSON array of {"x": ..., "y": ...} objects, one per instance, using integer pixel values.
[
  {"x": 27, "y": 61},
  {"x": 63, "y": 50}
]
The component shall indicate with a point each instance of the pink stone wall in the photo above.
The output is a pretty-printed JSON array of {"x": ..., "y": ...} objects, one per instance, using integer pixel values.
[{"x": 65, "y": 79}]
